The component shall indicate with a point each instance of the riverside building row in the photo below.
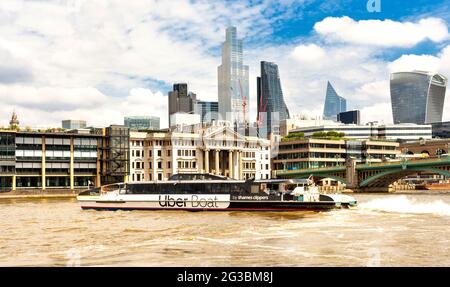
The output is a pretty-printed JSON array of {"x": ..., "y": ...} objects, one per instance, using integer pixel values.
[{"x": 71, "y": 160}]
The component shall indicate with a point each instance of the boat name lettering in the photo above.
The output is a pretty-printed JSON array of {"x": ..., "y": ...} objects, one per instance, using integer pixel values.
[
  {"x": 253, "y": 197},
  {"x": 187, "y": 201}
]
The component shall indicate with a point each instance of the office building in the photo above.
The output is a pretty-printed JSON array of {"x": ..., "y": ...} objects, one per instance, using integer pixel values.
[
  {"x": 300, "y": 154},
  {"x": 208, "y": 111},
  {"x": 441, "y": 130},
  {"x": 73, "y": 124},
  {"x": 142, "y": 123},
  {"x": 349, "y": 117},
  {"x": 183, "y": 119},
  {"x": 301, "y": 121},
  {"x": 334, "y": 104},
  {"x": 213, "y": 148},
  {"x": 271, "y": 106},
  {"x": 417, "y": 97},
  {"x": 233, "y": 87},
  {"x": 181, "y": 100},
  {"x": 372, "y": 131},
  {"x": 57, "y": 160}
]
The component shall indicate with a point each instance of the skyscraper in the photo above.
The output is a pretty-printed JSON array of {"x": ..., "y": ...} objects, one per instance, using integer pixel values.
[
  {"x": 208, "y": 111},
  {"x": 180, "y": 100},
  {"x": 417, "y": 97},
  {"x": 233, "y": 80},
  {"x": 334, "y": 104},
  {"x": 271, "y": 106}
]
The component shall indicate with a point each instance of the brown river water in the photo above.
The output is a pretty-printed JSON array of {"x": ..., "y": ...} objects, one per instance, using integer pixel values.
[{"x": 384, "y": 230}]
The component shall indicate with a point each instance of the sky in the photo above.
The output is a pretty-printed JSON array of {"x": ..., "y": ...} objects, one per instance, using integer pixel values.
[{"x": 100, "y": 60}]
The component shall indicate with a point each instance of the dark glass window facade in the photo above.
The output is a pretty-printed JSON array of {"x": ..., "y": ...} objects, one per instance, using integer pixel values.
[
  {"x": 417, "y": 97},
  {"x": 271, "y": 105}
]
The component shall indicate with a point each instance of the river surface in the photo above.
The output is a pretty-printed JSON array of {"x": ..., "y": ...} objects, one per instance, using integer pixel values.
[{"x": 384, "y": 230}]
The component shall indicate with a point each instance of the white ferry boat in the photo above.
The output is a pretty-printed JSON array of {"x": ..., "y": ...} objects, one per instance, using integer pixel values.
[{"x": 206, "y": 192}]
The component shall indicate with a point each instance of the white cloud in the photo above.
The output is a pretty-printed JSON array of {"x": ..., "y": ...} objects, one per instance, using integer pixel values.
[
  {"x": 96, "y": 60},
  {"x": 386, "y": 33},
  {"x": 308, "y": 53}
]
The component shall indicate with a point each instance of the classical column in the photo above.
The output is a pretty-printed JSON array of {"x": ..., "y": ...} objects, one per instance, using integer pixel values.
[
  {"x": 207, "y": 160},
  {"x": 71, "y": 165},
  {"x": 14, "y": 182},
  {"x": 43, "y": 178},
  {"x": 240, "y": 166},
  {"x": 230, "y": 163},
  {"x": 98, "y": 180},
  {"x": 217, "y": 162}
]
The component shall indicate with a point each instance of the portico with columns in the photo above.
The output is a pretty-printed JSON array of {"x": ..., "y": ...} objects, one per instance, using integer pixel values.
[{"x": 216, "y": 149}]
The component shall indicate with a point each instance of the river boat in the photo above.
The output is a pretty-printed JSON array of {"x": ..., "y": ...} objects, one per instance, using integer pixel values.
[{"x": 206, "y": 192}]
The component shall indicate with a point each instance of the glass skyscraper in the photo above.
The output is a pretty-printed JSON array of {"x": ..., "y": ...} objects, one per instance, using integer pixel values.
[
  {"x": 233, "y": 80},
  {"x": 334, "y": 104},
  {"x": 417, "y": 97},
  {"x": 208, "y": 111},
  {"x": 271, "y": 106}
]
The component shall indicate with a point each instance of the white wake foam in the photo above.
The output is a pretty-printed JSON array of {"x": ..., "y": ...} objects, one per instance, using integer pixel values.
[{"x": 402, "y": 204}]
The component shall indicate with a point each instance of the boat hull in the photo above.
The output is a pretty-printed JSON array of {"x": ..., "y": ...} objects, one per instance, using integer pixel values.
[{"x": 230, "y": 206}]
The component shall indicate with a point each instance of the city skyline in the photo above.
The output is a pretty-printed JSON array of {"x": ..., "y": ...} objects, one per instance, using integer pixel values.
[{"x": 100, "y": 69}]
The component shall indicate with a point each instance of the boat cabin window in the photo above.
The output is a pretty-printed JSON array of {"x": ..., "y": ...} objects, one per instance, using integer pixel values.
[{"x": 113, "y": 187}]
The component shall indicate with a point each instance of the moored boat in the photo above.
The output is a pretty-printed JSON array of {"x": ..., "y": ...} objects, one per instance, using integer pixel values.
[
  {"x": 206, "y": 192},
  {"x": 434, "y": 186}
]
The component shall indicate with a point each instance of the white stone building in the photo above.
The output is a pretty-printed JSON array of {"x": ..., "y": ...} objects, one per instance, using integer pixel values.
[{"x": 216, "y": 149}]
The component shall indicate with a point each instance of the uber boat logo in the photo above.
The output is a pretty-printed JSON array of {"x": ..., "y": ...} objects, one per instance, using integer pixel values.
[{"x": 193, "y": 201}]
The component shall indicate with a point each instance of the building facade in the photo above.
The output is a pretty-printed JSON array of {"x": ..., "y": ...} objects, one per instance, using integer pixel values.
[
  {"x": 142, "y": 123},
  {"x": 73, "y": 124},
  {"x": 233, "y": 89},
  {"x": 316, "y": 153},
  {"x": 425, "y": 148},
  {"x": 441, "y": 130},
  {"x": 417, "y": 97},
  {"x": 301, "y": 121},
  {"x": 350, "y": 117},
  {"x": 334, "y": 104},
  {"x": 216, "y": 149},
  {"x": 181, "y": 100},
  {"x": 271, "y": 106},
  {"x": 31, "y": 160},
  {"x": 373, "y": 131},
  {"x": 208, "y": 111}
]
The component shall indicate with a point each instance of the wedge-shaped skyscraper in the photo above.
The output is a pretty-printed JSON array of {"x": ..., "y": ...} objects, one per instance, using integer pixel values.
[
  {"x": 271, "y": 106},
  {"x": 334, "y": 104},
  {"x": 417, "y": 97}
]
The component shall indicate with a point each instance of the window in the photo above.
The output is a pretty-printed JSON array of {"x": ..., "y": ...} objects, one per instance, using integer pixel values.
[
  {"x": 159, "y": 176},
  {"x": 149, "y": 153},
  {"x": 168, "y": 164},
  {"x": 159, "y": 152},
  {"x": 159, "y": 164},
  {"x": 168, "y": 153}
]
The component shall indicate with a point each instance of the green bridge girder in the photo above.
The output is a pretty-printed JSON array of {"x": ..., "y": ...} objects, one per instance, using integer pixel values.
[{"x": 385, "y": 173}]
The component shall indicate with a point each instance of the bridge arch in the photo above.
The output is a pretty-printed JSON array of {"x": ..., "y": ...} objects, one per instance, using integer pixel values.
[{"x": 388, "y": 177}]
